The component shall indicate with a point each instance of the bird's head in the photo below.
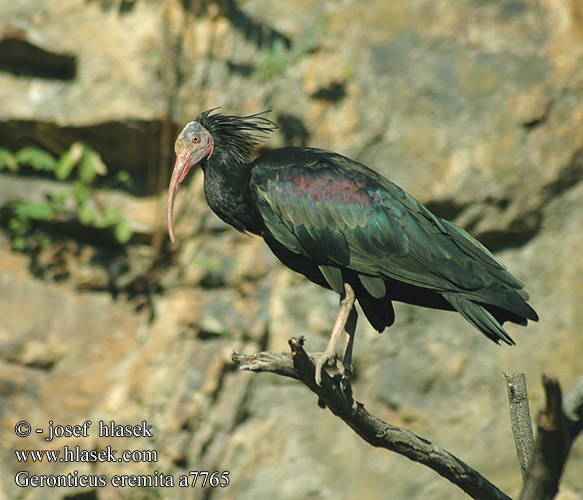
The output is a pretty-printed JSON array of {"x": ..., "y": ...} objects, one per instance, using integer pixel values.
[
  {"x": 194, "y": 144},
  {"x": 233, "y": 138}
]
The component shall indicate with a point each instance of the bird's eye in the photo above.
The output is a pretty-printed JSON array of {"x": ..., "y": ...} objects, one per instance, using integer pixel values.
[{"x": 195, "y": 139}]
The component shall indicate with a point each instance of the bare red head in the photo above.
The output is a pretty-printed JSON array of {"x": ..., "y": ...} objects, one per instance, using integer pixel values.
[
  {"x": 233, "y": 138},
  {"x": 194, "y": 144}
]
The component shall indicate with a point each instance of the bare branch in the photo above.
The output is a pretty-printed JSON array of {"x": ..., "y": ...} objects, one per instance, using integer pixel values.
[
  {"x": 267, "y": 362},
  {"x": 573, "y": 406},
  {"x": 557, "y": 429},
  {"x": 370, "y": 428},
  {"x": 520, "y": 419}
]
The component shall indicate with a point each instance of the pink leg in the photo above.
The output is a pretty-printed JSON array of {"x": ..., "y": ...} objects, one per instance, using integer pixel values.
[{"x": 340, "y": 344}]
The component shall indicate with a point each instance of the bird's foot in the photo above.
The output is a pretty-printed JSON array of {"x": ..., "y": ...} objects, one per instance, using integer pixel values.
[{"x": 343, "y": 368}]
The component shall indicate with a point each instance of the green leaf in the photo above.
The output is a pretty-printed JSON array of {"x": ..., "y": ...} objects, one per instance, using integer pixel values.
[
  {"x": 20, "y": 243},
  {"x": 209, "y": 264},
  {"x": 110, "y": 217},
  {"x": 98, "y": 163},
  {"x": 274, "y": 63},
  {"x": 91, "y": 166},
  {"x": 44, "y": 240},
  {"x": 7, "y": 160},
  {"x": 37, "y": 158},
  {"x": 18, "y": 225},
  {"x": 87, "y": 215},
  {"x": 124, "y": 178},
  {"x": 33, "y": 211},
  {"x": 87, "y": 171},
  {"x": 68, "y": 161},
  {"x": 59, "y": 198},
  {"x": 81, "y": 192},
  {"x": 122, "y": 231}
]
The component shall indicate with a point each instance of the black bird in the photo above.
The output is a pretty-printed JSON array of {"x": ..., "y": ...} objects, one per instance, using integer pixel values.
[{"x": 347, "y": 228}]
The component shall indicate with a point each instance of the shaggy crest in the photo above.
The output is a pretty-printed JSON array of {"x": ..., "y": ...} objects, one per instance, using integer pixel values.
[{"x": 238, "y": 136}]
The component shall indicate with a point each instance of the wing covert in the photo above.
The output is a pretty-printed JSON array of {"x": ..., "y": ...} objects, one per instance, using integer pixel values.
[{"x": 339, "y": 212}]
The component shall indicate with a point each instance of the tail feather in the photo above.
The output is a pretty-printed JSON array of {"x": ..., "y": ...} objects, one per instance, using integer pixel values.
[
  {"x": 480, "y": 317},
  {"x": 379, "y": 312}
]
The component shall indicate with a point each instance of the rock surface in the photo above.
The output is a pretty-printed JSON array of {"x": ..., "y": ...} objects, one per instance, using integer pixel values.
[{"x": 475, "y": 108}]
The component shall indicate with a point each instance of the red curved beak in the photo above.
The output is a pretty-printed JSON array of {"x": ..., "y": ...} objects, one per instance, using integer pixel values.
[{"x": 181, "y": 168}]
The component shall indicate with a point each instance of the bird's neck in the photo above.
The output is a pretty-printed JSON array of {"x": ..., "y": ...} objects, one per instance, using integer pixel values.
[{"x": 226, "y": 187}]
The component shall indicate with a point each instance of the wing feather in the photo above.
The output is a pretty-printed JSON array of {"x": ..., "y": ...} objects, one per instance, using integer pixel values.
[{"x": 340, "y": 213}]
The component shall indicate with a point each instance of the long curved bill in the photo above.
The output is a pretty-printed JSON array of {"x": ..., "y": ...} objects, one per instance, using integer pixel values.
[{"x": 181, "y": 168}]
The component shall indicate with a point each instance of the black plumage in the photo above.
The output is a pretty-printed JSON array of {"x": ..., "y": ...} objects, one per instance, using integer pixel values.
[{"x": 338, "y": 222}]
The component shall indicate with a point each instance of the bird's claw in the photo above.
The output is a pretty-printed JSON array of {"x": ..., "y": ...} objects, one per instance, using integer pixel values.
[
  {"x": 343, "y": 368},
  {"x": 320, "y": 363}
]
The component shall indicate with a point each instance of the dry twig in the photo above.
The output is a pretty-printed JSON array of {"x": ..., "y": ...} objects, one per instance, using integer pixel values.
[{"x": 520, "y": 419}]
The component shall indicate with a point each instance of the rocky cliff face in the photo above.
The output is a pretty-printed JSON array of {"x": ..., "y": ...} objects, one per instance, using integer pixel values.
[{"x": 475, "y": 108}]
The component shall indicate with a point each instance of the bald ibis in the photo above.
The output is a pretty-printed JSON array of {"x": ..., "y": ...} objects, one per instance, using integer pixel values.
[{"x": 347, "y": 228}]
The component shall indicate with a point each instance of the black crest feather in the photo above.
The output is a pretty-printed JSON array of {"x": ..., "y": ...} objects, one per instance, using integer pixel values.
[{"x": 238, "y": 136}]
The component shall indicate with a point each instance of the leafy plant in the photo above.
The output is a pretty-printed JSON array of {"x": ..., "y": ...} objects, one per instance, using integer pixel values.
[
  {"x": 79, "y": 164},
  {"x": 37, "y": 158},
  {"x": 274, "y": 63}
]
